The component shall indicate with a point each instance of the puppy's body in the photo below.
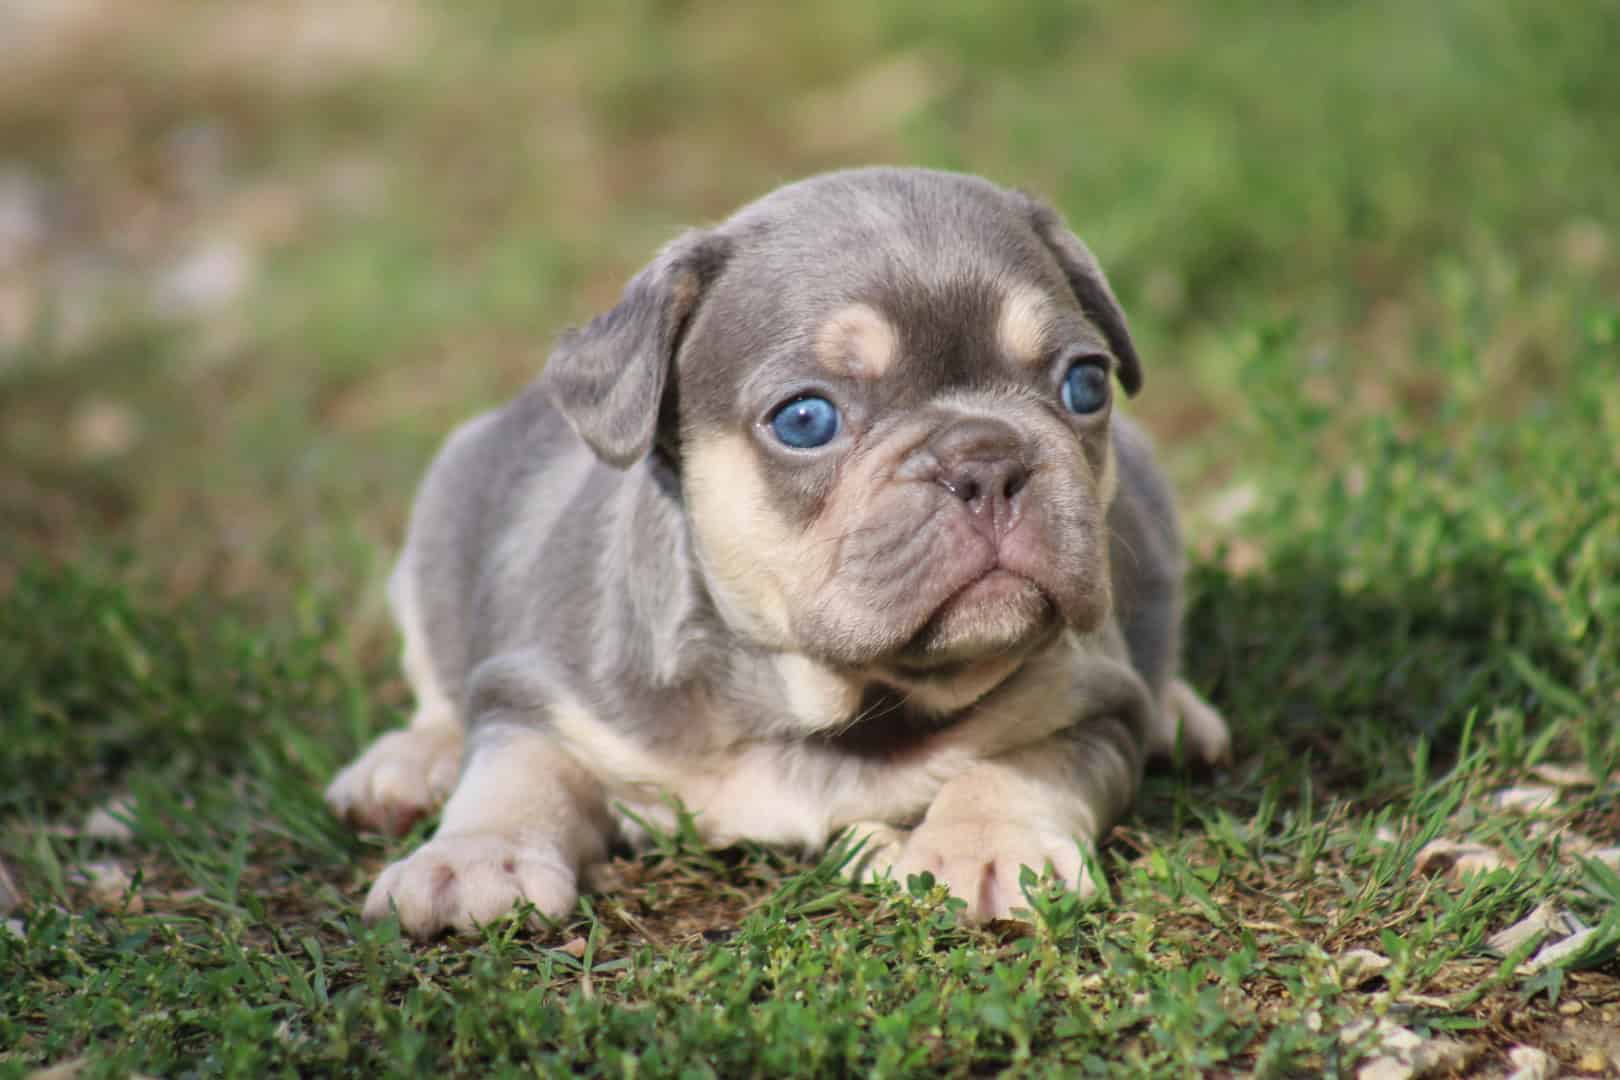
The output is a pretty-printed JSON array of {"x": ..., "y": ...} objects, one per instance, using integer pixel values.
[{"x": 952, "y": 625}]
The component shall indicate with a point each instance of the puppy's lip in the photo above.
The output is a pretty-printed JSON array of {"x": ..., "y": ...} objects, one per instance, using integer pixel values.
[
  {"x": 996, "y": 583},
  {"x": 1028, "y": 615}
]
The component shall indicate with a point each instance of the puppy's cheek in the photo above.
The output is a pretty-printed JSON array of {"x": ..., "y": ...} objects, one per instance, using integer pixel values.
[
  {"x": 1108, "y": 479},
  {"x": 756, "y": 563},
  {"x": 1065, "y": 549},
  {"x": 1094, "y": 599}
]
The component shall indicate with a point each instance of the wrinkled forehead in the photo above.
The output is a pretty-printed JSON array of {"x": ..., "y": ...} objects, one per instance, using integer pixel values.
[
  {"x": 930, "y": 302},
  {"x": 951, "y": 243}
]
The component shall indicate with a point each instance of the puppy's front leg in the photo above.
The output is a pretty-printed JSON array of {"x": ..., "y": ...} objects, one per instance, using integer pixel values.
[
  {"x": 1045, "y": 803},
  {"x": 406, "y": 774},
  {"x": 523, "y": 820}
]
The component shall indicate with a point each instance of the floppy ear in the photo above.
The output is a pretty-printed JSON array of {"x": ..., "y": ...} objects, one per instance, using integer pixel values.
[
  {"x": 1090, "y": 288},
  {"x": 608, "y": 378}
]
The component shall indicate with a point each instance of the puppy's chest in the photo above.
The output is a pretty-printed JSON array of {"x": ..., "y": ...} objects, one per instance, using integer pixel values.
[
  {"x": 790, "y": 791},
  {"x": 795, "y": 768}
]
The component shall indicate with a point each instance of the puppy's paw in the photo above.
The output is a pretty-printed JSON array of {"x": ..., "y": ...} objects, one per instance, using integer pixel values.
[
  {"x": 980, "y": 861},
  {"x": 464, "y": 880},
  {"x": 1202, "y": 729},
  {"x": 402, "y": 777},
  {"x": 880, "y": 845}
]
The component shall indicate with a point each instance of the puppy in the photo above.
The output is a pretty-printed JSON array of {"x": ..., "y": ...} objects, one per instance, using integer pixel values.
[{"x": 830, "y": 525}]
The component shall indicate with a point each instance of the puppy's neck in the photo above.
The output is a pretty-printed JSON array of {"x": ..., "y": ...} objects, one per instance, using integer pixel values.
[
  {"x": 822, "y": 700},
  {"x": 885, "y": 726}
]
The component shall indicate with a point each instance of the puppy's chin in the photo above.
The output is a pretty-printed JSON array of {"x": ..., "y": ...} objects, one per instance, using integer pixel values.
[
  {"x": 987, "y": 617},
  {"x": 999, "y": 615}
]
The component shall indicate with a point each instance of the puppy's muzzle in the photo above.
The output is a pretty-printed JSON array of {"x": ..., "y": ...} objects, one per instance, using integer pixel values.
[{"x": 996, "y": 590}]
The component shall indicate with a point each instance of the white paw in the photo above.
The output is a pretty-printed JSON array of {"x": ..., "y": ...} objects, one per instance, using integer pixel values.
[
  {"x": 880, "y": 845},
  {"x": 403, "y": 776},
  {"x": 980, "y": 862},
  {"x": 465, "y": 880},
  {"x": 1200, "y": 726}
]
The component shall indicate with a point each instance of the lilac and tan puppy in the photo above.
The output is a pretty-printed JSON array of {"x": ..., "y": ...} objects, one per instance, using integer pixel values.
[{"x": 829, "y": 525}]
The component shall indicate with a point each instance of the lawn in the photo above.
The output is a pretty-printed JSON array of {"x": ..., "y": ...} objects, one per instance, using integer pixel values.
[{"x": 257, "y": 259}]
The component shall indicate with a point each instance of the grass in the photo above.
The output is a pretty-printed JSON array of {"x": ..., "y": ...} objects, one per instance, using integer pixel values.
[{"x": 1370, "y": 255}]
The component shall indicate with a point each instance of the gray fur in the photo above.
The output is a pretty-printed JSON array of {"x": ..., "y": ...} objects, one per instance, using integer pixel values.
[
  {"x": 557, "y": 546},
  {"x": 608, "y": 379},
  {"x": 525, "y": 545},
  {"x": 1146, "y": 558},
  {"x": 1086, "y": 278},
  {"x": 604, "y": 580}
]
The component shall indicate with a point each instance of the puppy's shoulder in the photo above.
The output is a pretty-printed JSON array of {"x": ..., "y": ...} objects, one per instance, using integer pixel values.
[{"x": 526, "y": 429}]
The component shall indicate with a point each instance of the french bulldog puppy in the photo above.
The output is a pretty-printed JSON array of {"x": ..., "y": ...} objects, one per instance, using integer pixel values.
[{"x": 830, "y": 525}]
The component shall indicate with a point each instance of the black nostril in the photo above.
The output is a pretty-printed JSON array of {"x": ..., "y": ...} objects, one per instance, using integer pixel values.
[
  {"x": 985, "y": 482},
  {"x": 963, "y": 487}
]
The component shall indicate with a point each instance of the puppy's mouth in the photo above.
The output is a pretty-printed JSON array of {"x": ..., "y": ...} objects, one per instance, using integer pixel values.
[{"x": 999, "y": 613}]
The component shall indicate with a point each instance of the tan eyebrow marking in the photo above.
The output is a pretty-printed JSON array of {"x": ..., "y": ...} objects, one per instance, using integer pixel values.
[
  {"x": 1021, "y": 329},
  {"x": 857, "y": 341}
]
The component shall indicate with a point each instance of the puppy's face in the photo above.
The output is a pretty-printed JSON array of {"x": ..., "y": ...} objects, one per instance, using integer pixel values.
[
  {"x": 914, "y": 478},
  {"x": 890, "y": 406}
]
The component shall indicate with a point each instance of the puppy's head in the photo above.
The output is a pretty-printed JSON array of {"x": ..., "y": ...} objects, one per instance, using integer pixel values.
[{"x": 887, "y": 395}]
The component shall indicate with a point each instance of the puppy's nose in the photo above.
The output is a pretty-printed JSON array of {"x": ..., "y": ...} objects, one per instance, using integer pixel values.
[
  {"x": 983, "y": 483},
  {"x": 981, "y": 462}
]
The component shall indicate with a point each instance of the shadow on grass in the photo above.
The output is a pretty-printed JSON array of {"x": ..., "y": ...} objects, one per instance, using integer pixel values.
[
  {"x": 96, "y": 685},
  {"x": 1318, "y": 673}
]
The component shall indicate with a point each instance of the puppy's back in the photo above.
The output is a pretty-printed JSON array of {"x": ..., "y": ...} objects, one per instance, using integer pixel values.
[
  {"x": 1145, "y": 557},
  {"x": 499, "y": 483}
]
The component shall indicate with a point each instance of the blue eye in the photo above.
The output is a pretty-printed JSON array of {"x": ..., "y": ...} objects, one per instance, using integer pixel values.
[
  {"x": 1085, "y": 386},
  {"x": 805, "y": 423}
]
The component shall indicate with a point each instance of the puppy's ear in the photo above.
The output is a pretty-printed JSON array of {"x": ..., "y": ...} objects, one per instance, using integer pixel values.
[
  {"x": 608, "y": 378},
  {"x": 1091, "y": 288}
]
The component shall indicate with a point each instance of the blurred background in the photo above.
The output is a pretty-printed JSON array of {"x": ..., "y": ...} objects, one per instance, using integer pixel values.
[{"x": 256, "y": 258}]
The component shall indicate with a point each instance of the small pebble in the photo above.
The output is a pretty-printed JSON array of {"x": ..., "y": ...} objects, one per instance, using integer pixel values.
[
  {"x": 110, "y": 887},
  {"x": 1360, "y": 965},
  {"x": 1543, "y": 919},
  {"x": 1461, "y": 860},
  {"x": 1386, "y": 1068},
  {"x": 1550, "y": 955},
  {"x": 107, "y": 821},
  {"x": 1564, "y": 775},
  {"x": 1527, "y": 799},
  {"x": 1593, "y": 1061},
  {"x": 1531, "y": 1064}
]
